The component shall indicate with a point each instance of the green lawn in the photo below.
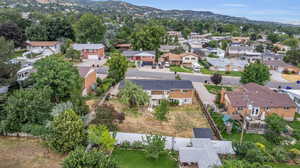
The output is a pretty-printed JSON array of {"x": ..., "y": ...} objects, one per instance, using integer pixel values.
[
  {"x": 247, "y": 137},
  {"x": 225, "y": 73},
  {"x": 214, "y": 89},
  {"x": 137, "y": 159},
  {"x": 180, "y": 69}
]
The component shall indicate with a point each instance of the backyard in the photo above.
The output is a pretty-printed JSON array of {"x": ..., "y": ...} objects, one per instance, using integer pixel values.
[
  {"x": 181, "y": 120},
  {"x": 216, "y": 89},
  {"x": 138, "y": 159},
  {"x": 224, "y": 73},
  {"x": 26, "y": 153}
]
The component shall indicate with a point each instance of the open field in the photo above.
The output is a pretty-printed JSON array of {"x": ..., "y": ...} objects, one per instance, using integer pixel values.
[
  {"x": 26, "y": 153},
  {"x": 138, "y": 159},
  {"x": 181, "y": 120}
]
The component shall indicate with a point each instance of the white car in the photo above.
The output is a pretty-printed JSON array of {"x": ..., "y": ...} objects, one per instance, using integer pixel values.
[{"x": 167, "y": 64}]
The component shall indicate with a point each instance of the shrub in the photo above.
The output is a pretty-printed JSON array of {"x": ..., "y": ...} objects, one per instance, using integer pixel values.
[
  {"x": 137, "y": 145},
  {"x": 100, "y": 135},
  {"x": 35, "y": 130},
  {"x": 154, "y": 145},
  {"x": 162, "y": 110},
  {"x": 280, "y": 154},
  {"x": 125, "y": 145},
  {"x": 79, "y": 158}
]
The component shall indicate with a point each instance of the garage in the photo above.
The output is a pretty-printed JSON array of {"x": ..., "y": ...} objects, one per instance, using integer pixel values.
[
  {"x": 93, "y": 57},
  {"x": 147, "y": 63}
]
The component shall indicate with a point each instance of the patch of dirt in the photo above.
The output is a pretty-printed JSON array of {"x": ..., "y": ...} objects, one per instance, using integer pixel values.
[
  {"x": 27, "y": 153},
  {"x": 181, "y": 120},
  {"x": 291, "y": 78}
]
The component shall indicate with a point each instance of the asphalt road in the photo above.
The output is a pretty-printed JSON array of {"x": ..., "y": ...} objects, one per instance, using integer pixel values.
[{"x": 134, "y": 73}]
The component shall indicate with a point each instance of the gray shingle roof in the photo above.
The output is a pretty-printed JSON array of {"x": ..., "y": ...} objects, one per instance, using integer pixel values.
[
  {"x": 162, "y": 84},
  {"x": 87, "y": 46},
  {"x": 134, "y": 53}
]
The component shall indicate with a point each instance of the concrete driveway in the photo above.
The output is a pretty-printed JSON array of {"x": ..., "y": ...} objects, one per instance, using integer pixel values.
[{"x": 276, "y": 77}]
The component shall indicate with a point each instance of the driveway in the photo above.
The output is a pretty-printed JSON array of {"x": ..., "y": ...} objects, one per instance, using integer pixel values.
[
  {"x": 91, "y": 63},
  {"x": 206, "y": 97},
  {"x": 277, "y": 77}
]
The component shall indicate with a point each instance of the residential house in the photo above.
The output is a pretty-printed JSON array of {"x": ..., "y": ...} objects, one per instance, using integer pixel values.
[
  {"x": 173, "y": 90},
  {"x": 173, "y": 59},
  {"x": 204, "y": 153},
  {"x": 252, "y": 103},
  {"x": 45, "y": 48},
  {"x": 294, "y": 95},
  {"x": 90, "y": 51},
  {"x": 167, "y": 48},
  {"x": 123, "y": 47},
  {"x": 89, "y": 76},
  {"x": 282, "y": 67},
  {"x": 225, "y": 64},
  {"x": 188, "y": 59},
  {"x": 241, "y": 40},
  {"x": 268, "y": 56},
  {"x": 197, "y": 36},
  {"x": 174, "y": 34},
  {"x": 282, "y": 49},
  {"x": 141, "y": 57},
  {"x": 237, "y": 51}
]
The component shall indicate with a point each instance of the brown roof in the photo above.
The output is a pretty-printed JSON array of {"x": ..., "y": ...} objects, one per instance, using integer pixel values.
[
  {"x": 172, "y": 57},
  {"x": 258, "y": 96},
  {"x": 187, "y": 54},
  {"x": 123, "y": 45},
  {"x": 42, "y": 43}
]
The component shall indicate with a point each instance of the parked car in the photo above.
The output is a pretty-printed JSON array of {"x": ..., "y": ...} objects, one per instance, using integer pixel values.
[
  {"x": 196, "y": 67},
  {"x": 154, "y": 66},
  {"x": 160, "y": 66},
  {"x": 167, "y": 64}
]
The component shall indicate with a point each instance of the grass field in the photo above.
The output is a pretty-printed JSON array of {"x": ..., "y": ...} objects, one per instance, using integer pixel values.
[
  {"x": 138, "y": 159},
  {"x": 26, "y": 153},
  {"x": 214, "y": 89},
  {"x": 224, "y": 73},
  {"x": 180, "y": 69}
]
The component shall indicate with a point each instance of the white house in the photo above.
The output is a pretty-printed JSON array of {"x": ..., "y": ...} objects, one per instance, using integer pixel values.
[
  {"x": 44, "y": 48},
  {"x": 295, "y": 96},
  {"x": 189, "y": 58}
]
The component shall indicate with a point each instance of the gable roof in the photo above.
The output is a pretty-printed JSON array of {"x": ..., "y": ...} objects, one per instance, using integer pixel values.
[
  {"x": 42, "y": 43},
  {"x": 135, "y": 53},
  {"x": 258, "y": 96},
  {"x": 188, "y": 54},
  {"x": 172, "y": 57},
  {"x": 161, "y": 84},
  {"x": 87, "y": 46}
]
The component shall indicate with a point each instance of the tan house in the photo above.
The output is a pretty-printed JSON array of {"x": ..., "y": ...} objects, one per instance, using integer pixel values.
[
  {"x": 89, "y": 78},
  {"x": 181, "y": 91},
  {"x": 188, "y": 59},
  {"x": 173, "y": 59},
  {"x": 242, "y": 40},
  {"x": 253, "y": 102}
]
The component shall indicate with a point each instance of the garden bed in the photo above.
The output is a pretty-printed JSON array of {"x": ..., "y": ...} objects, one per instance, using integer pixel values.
[
  {"x": 181, "y": 120},
  {"x": 27, "y": 153},
  {"x": 138, "y": 159}
]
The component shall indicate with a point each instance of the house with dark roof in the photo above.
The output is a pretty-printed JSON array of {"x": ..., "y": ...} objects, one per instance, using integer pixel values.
[
  {"x": 181, "y": 91},
  {"x": 90, "y": 51},
  {"x": 141, "y": 57},
  {"x": 253, "y": 102}
]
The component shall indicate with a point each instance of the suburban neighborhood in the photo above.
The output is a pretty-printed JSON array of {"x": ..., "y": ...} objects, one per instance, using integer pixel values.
[{"x": 109, "y": 84}]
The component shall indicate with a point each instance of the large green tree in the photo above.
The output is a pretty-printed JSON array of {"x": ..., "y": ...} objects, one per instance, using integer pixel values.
[
  {"x": 118, "y": 65},
  {"x": 61, "y": 76},
  {"x": 291, "y": 42},
  {"x": 293, "y": 57},
  {"x": 89, "y": 28},
  {"x": 257, "y": 73},
  {"x": 7, "y": 70},
  {"x": 79, "y": 158},
  {"x": 29, "y": 106},
  {"x": 36, "y": 32},
  {"x": 276, "y": 125},
  {"x": 66, "y": 132},
  {"x": 133, "y": 95},
  {"x": 11, "y": 31},
  {"x": 148, "y": 37}
]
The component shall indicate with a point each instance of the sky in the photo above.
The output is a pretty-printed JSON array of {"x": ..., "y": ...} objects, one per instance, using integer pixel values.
[{"x": 285, "y": 11}]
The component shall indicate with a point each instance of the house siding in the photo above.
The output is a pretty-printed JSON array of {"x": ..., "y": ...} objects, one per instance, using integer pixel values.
[{"x": 99, "y": 52}]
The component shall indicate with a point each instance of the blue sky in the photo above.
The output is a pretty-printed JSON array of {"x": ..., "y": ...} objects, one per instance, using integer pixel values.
[{"x": 286, "y": 11}]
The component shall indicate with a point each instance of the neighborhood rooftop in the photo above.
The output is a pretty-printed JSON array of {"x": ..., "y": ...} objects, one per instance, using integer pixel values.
[
  {"x": 162, "y": 84},
  {"x": 87, "y": 46},
  {"x": 139, "y": 53}
]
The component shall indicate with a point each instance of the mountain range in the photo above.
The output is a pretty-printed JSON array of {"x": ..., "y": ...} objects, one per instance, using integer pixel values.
[{"x": 122, "y": 8}]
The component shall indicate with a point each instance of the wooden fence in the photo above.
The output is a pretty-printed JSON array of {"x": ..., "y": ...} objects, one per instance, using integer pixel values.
[{"x": 209, "y": 118}]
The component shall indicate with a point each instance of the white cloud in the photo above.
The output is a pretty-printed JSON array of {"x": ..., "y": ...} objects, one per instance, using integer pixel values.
[{"x": 236, "y": 5}]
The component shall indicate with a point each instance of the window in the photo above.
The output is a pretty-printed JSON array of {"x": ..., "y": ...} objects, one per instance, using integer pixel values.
[
  {"x": 255, "y": 112},
  {"x": 193, "y": 59},
  {"x": 184, "y": 91},
  {"x": 286, "y": 108},
  {"x": 267, "y": 108},
  {"x": 240, "y": 108},
  {"x": 186, "y": 58}
]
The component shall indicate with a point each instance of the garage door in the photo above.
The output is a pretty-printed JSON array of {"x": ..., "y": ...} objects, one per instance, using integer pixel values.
[
  {"x": 95, "y": 57},
  {"x": 147, "y": 63}
]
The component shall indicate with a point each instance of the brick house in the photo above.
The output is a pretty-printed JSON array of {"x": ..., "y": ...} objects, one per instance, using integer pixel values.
[
  {"x": 89, "y": 78},
  {"x": 141, "y": 57},
  {"x": 179, "y": 90},
  {"x": 90, "y": 51},
  {"x": 253, "y": 102}
]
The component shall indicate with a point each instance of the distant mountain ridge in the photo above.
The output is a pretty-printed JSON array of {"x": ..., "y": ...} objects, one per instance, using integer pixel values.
[{"x": 121, "y": 8}]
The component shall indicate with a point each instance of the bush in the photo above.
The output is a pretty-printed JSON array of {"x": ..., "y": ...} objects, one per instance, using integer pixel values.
[
  {"x": 280, "y": 154},
  {"x": 154, "y": 145},
  {"x": 35, "y": 130},
  {"x": 137, "y": 145},
  {"x": 162, "y": 110},
  {"x": 125, "y": 145},
  {"x": 79, "y": 158}
]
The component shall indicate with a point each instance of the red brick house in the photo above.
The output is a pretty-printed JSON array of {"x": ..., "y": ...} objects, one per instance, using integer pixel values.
[
  {"x": 142, "y": 57},
  {"x": 90, "y": 51},
  {"x": 89, "y": 78}
]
